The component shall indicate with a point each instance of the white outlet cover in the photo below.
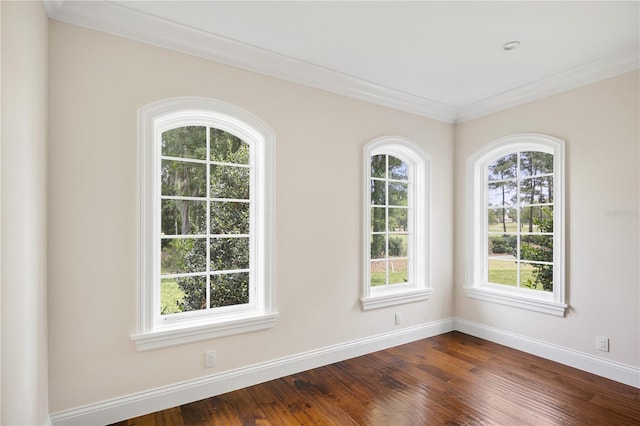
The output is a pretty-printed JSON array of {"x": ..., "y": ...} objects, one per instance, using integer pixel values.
[
  {"x": 209, "y": 358},
  {"x": 602, "y": 343}
]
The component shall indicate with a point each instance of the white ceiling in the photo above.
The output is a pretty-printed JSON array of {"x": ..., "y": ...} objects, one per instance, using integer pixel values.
[{"x": 439, "y": 59}]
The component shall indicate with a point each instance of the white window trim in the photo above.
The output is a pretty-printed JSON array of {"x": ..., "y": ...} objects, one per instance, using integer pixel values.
[
  {"x": 420, "y": 197},
  {"x": 152, "y": 120},
  {"x": 553, "y": 303}
]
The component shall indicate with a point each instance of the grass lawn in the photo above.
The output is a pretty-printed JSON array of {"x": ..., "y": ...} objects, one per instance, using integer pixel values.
[
  {"x": 511, "y": 227},
  {"x": 170, "y": 295},
  {"x": 378, "y": 278},
  {"x": 504, "y": 272},
  {"x": 497, "y": 227}
]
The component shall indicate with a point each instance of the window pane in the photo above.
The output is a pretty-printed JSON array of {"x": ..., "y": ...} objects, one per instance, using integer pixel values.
[
  {"x": 378, "y": 165},
  {"x": 398, "y": 245},
  {"x": 378, "y": 273},
  {"x": 398, "y": 169},
  {"x": 502, "y": 220},
  {"x": 536, "y": 219},
  {"x": 398, "y": 271},
  {"x": 183, "y": 179},
  {"x": 229, "y": 217},
  {"x": 180, "y": 217},
  {"x": 378, "y": 246},
  {"x": 503, "y": 168},
  {"x": 182, "y": 255},
  {"x": 398, "y": 220},
  {"x": 229, "y": 289},
  {"x": 533, "y": 163},
  {"x": 171, "y": 297},
  {"x": 502, "y": 194},
  {"x": 227, "y": 148},
  {"x": 503, "y": 272},
  {"x": 229, "y": 182},
  {"x": 185, "y": 142},
  {"x": 378, "y": 220},
  {"x": 195, "y": 293},
  {"x": 536, "y": 190},
  {"x": 536, "y": 277},
  {"x": 229, "y": 253},
  {"x": 398, "y": 193},
  {"x": 527, "y": 278},
  {"x": 504, "y": 246},
  {"x": 536, "y": 247},
  {"x": 378, "y": 196}
]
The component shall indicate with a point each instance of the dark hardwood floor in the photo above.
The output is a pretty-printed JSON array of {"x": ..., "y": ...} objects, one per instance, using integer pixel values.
[{"x": 451, "y": 379}]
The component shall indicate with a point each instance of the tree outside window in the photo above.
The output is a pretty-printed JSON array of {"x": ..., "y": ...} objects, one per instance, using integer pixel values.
[
  {"x": 520, "y": 220},
  {"x": 396, "y": 223},
  {"x": 515, "y": 223},
  {"x": 206, "y": 222}
]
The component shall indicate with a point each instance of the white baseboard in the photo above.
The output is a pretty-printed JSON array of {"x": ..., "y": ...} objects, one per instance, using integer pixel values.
[
  {"x": 617, "y": 371},
  {"x": 140, "y": 403}
]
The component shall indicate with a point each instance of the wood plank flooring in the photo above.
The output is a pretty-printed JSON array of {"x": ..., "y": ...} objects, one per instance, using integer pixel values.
[{"x": 451, "y": 379}]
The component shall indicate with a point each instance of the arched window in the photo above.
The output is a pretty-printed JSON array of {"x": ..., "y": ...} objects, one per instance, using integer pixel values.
[
  {"x": 396, "y": 225},
  {"x": 515, "y": 223},
  {"x": 205, "y": 222}
]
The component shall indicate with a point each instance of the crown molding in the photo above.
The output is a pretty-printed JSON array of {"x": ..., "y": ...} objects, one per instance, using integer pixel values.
[
  {"x": 619, "y": 63},
  {"x": 52, "y": 6},
  {"x": 120, "y": 20}
]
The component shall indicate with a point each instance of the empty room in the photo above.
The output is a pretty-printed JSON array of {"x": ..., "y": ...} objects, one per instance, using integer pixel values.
[{"x": 350, "y": 213}]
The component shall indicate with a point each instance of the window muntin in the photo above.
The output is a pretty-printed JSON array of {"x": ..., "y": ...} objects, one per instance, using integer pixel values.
[
  {"x": 390, "y": 233},
  {"x": 520, "y": 220},
  {"x": 206, "y": 218},
  {"x": 396, "y": 193},
  {"x": 205, "y": 215},
  {"x": 515, "y": 223}
]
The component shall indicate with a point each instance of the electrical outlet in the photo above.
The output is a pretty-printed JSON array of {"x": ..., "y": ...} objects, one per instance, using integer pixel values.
[
  {"x": 398, "y": 318},
  {"x": 209, "y": 359},
  {"x": 602, "y": 343}
]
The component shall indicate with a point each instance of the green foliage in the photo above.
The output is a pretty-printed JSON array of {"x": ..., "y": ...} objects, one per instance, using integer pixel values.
[
  {"x": 229, "y": 178},
  {"x": 506, "y": 244},
  {"x": 504, "y": 272},
  {"x": 229, "y": 289},
  {"x": 171, "y": 296},
  {"x": 532, "y": 173},
  {"x": 396, "y": 247},
  {"x": 540, "y": 248},
  {"x": 500, "y": 170},
  {"x": 228, "y": 148},
  {"x": 379, "y": 165},
  {"x": 503, "y": 168},
  {"x": 491, "y": 217},
  {"x": 194, "y": 288},
  {"x": 389, "y": 214},
  {"x": 380, "y": 278},
  {"x": 378, "y": 249},
  {"x": 185, "y": 142}
]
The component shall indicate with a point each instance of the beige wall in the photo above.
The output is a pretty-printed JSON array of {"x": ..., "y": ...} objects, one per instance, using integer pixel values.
[
  {"x": 97, "y": 83},
  {"x": 24, "y": 244},
  {"x": 600, "y": 124}
]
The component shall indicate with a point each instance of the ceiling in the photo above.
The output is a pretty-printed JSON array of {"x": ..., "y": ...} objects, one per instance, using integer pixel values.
[{"x": 443, "y": 60}]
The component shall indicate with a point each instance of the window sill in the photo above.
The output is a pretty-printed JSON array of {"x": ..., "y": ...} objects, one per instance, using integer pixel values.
[
  {"x": 194, "y": 332},
  {"x": 395, "y": 298},
  {"x": 518, "y": 299}
]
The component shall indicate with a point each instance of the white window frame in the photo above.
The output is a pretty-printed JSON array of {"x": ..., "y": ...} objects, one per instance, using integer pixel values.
[
  {"x": 419, "y": 163},
  {"x": 154, "y": 331},
  {"x": 476, "y": 285}
]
